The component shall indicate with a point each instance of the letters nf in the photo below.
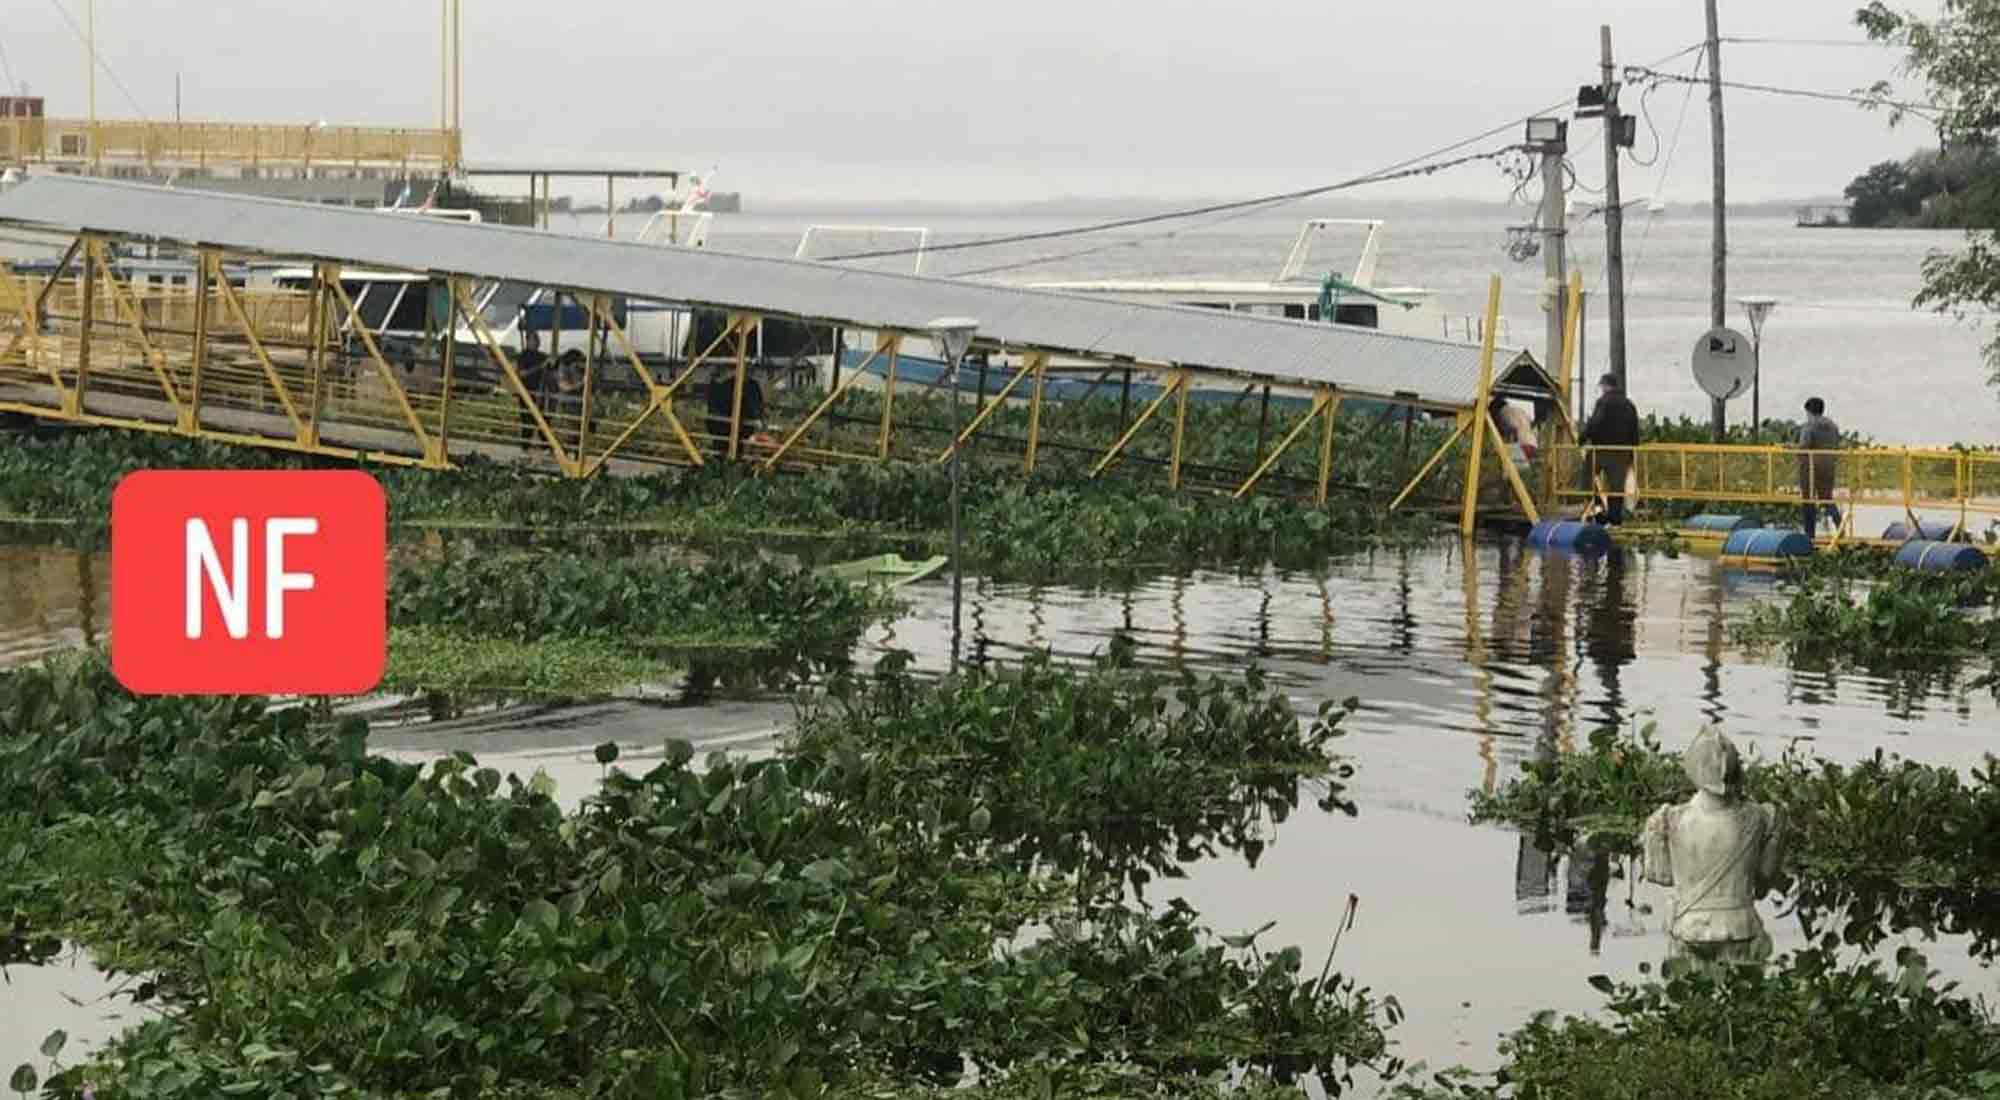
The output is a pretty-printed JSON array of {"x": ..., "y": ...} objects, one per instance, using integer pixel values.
[{"x": 248, "y": 582}]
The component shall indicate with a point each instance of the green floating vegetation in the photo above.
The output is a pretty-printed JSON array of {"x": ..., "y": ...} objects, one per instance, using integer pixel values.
[
  {"x": 846, "y": 919},
  {"x": 567, "y": 623},
  {"x": 1059, "y": 524},
  {"x": 1857, "y": 608},
  {"x": 1087, "y": 774},
  {"x": 1881, "y": 846},
  {"x": 1808, "y": 1026}
]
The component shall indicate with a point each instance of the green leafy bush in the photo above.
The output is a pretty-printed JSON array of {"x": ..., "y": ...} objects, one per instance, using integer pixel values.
[
  {"x": 834, "y": 921},
  {"x": 1808, "y": 1026}
]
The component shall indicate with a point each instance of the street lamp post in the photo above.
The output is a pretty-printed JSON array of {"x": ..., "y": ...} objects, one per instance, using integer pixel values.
[
  {"x": 954, "y": 335},
  {"x": 1758, "y": 307}
]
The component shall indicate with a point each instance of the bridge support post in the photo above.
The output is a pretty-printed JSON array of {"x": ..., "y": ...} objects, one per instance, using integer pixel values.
[
  {"x": 1469, "y": 514},
  {"x": 323, "y": 330},
  {"x": 1180, "y": 435},
  {"x": 204, "y": 262},
  {"x": 888, "y": 401},
  {"x": 600, "y": 307},
  {"x": 1331, "y": 400},
  {"x": 73, "y": 402},
  {"x": 1035, "y": 413},
  {"x": 742, "y": 321},
  {"x": 448, "y": 370}
]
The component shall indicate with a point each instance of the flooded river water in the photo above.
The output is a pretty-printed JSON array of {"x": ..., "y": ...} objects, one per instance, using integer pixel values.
[{"x": 1466, "y": 664}]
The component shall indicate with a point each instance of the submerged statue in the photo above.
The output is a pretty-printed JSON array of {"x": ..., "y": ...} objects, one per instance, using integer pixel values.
[{"x": 1718, "y": 852}]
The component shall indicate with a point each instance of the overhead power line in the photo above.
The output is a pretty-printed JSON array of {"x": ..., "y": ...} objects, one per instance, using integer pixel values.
[
  {"x": 1200, "y": 211},
  {"x": 1234, "y": 210},
  {"x": 1838, "y": 43},
  {"x": 1399, "y": 170},
  {"x": 7, "y": 71},
  {"x": 1923, "y": 110},
  {"x": 98, "y": 59}
]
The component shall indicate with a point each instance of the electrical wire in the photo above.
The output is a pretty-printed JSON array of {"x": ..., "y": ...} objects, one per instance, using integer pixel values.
[
  {"x": 1400, "y": 171},
  {"x": 1395, "y": 171},
  {"x": 7, "y": 71},
  {"x": 1921, "y": 110},
  {"x": 1765, "y": 40},
  {"x": 1233, "y": 212},
  {"x": 1666, "y": 167},
  {"x": 98, "y": 59},
  {"x": 1646, "y": 112}
]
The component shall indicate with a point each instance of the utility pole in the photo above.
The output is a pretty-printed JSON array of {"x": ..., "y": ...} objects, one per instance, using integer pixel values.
[
  {"x": 1554, "y": 240},
  {"x": 458, "y": 67},
  {"x": 1614, "y": 210},
  {"x": 90, "y": 70},
  {"x": 1718, "y": 306}
]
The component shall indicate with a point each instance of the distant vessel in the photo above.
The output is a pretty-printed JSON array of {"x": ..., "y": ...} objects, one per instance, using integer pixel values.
[{"x": 1295, "y": 293}]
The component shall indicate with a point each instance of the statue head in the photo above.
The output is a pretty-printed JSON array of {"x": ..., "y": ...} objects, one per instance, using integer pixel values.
[{"x": 1713, "y": 764}]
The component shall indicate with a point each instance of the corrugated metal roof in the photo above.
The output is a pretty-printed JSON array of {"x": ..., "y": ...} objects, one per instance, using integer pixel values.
[{"x": 1356, "y": 360}]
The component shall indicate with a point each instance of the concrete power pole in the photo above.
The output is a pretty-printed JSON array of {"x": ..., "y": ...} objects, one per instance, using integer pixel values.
[
  {"x": 1554, "y": 243},
  {"x": 1718, "y": 308},
  {"x": 1614, "y": 211}
]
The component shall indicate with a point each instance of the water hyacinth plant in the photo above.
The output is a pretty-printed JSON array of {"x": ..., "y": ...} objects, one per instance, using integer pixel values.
[{"x": 843, "y": 919}]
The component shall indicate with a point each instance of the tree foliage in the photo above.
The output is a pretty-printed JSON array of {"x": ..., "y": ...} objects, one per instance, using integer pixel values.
[
  {"x": 1956, "y": 55},
  {"x": 1950, "y": 188}
]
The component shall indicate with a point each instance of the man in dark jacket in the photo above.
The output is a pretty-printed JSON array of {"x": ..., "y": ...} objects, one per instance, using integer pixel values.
[
  {"x": 533, "y": 368},
  {"x": 1818, "y": 439},
  {"x": 1613, "y": 429}
]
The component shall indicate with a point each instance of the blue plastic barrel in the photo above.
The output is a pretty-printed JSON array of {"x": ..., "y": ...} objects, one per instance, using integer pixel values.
[
  {"x": 1928, "y": 530},
  {"x": 1941, "y": 557},
  {"x": 1568, "y": 534},
  {"x": 1767, "y": 543},
  {"x": 1716, "y": 525}
]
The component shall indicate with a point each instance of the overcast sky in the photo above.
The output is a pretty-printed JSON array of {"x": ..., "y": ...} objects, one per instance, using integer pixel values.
[{"x": 942, "y": 99}]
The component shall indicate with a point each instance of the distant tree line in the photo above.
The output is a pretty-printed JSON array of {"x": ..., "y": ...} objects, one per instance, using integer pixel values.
[{"x": 1956, "y": 188}]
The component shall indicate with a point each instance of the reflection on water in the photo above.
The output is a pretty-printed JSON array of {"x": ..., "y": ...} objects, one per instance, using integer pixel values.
[
  {"x": 60, "y": 989},
  {"x": 51, "y": 599},
  {"x": 1466, "y": 661}
]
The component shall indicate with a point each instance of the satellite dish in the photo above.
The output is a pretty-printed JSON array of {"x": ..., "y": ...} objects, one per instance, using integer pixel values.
[{"x": 1724, "y": 363}]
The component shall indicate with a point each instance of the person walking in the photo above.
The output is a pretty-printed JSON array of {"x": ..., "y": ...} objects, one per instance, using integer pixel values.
[
  {"x": 1819, "y": 439},
  {"x": 533, "y": 368},
  {"x": 1612, "y": 432}
]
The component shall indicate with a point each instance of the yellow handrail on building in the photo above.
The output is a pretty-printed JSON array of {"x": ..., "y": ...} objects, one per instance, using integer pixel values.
[{"x": 218, "y": 145}]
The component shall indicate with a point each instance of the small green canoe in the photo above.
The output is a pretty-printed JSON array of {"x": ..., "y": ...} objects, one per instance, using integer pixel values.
[{"x": 889, "y": 570}]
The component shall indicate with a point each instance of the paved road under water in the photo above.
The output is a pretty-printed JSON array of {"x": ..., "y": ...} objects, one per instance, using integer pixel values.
[{"x": 1466, "y": 665}]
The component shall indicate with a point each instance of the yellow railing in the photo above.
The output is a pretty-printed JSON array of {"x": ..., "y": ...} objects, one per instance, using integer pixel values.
[
  {"x": 276, "y": 315},
  {"x": 1911, "y": 478},
  {"x": 205, "y": 144}
]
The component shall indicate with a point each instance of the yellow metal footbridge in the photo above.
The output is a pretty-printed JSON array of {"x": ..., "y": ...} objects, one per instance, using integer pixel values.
[
  {"x": 234, "y": 356},
  {"x": 297, "y": 367}
]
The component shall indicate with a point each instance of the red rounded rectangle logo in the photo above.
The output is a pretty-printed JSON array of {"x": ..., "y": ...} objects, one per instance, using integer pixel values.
[{"x": 249, "y": 582}]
